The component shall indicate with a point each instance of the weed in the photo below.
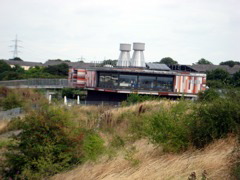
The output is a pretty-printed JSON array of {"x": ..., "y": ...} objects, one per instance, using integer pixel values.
[
  {"x": 117, "y": 142},
  {"x": 129, "y": 156},
  {"x": 4, "y": 143}
]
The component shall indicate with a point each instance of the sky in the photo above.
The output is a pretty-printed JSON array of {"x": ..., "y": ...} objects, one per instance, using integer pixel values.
[{"x": 185, "y": 30}]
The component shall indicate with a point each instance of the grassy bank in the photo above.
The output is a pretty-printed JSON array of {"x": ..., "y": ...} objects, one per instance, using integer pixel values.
[{"x": 173, "y": 138}]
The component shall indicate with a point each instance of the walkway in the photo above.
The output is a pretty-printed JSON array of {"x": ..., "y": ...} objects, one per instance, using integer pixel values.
[{"x": 37, "y": 83}]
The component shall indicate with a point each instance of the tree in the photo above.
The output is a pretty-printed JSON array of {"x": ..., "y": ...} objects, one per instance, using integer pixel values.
[
  {"x": 16, "y": 59},
  {"x": 218, "y": 78},
  {"x": 60, "y": 69},
  {"x": 10, "y": 75},
  {"x": 236, "y": 79},
  {"x": 168, "y": 60},
  {"x": 18, "y": 69},
  {"x": 230, "y": 63},
  {"x": 4, "y": 66},
  {"x": 203, "y": 61},
  {"x": 110, "y": 62},
  {"x": 38, "y": 72},
  {"x": 218, "y": 74}
]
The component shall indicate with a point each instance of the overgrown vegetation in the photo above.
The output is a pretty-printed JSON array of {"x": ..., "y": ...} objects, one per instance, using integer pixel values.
[
  {"x": 54, "y": 139},
  {"x": 49, "y": 143},
  {"x": 25, "y": 98},
  {"x": 175, "y": 126},
  {"x": 136, "y": 98},
  {"x": 169, "y": 127}
]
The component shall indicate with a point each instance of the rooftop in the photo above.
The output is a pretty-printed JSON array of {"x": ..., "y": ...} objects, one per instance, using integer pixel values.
[{"x": 23, "y": 63}]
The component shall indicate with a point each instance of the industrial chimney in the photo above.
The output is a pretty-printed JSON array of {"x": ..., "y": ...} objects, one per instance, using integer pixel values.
[
  {"x": 138, "y": 56},
  {"x": 124, "y": 58}
]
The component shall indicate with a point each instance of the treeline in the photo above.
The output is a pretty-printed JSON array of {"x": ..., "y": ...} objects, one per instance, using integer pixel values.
[
  {"x": 170, "y": 61},
  {"x": 17, "y": 72},
  {"x": 219, "y": 78}
]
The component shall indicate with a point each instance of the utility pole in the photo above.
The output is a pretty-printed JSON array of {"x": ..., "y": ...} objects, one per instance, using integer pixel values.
[
  {"x": 15, "y": 46},
  {"x": 81, "y": 59}
]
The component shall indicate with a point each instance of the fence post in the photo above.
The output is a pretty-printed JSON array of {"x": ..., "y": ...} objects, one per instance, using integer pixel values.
[
  {"x": 65, "y": 100},
  {"x": 78, "y": 100}
]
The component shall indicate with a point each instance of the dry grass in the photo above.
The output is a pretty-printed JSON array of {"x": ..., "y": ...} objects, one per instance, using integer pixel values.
[
  {"x": 3, "y": 124},
  {"x": 90, "y": 116},
  {"x": 153, "y": 164}
]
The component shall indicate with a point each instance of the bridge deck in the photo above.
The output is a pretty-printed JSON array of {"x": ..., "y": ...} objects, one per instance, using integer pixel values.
[{"x": 37, "y": 83}]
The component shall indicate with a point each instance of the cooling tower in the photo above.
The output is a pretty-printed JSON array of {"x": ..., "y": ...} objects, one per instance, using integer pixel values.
[
  {"x": 138, "y": 56},
  {"x": 124, "y": 58}
]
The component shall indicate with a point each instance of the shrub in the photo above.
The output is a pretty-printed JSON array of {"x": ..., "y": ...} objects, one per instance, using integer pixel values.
[
  {"x": 4, "y": 143},
  {"x": 14, "y": 124},
  {"x": 214, "y": 120},
  {"x": 136, "y": 98},
  {"x": 92, "y": 146},
  {"x": 117, "y": 142},
  {"x": 49, "y": 143},
  {"x": 11, "y": 101},
  {"x": 235, "y": 171},
  {"x": 169, "y": 127},
  {"x": 208, "y": 95}
]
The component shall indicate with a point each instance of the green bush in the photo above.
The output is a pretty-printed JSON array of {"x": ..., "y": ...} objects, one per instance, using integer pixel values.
[
  {"x": 214, "y": 120},
  {"x": 93, "y": 146},
  {"x": 136, "y": 98},
  {"x": 14, "y": 124},
  {"x": 49, "y": 143},
  {"x": 11, "y": 101},
  {"x": 4, "y": 143},
  {"x": 117, "y": 142},
  {"x": 167, "y": 127},
  {"x": 208, "y": 95}
]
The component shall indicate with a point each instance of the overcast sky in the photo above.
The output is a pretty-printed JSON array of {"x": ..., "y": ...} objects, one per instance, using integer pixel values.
[{"x": 185, "y": 30}]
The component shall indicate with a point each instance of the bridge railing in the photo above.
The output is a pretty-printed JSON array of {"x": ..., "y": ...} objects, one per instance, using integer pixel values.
[{"x": 37, "y": 83}]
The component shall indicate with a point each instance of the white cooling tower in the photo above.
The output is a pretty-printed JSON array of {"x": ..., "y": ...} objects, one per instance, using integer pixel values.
[
  {"x": 138, "y": 56},
  {"x": 124, "y": 58}
]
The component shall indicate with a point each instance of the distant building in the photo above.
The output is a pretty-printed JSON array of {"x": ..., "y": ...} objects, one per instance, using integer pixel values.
[
  {"x": 135, "y": 76},
  {"x": 24, "y": 64},
  {"x": 210, "y": 67},
  {"x": 204, "y": 68}
]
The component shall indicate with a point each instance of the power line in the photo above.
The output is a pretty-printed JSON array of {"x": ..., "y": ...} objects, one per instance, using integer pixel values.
[{"x": 15, "y": 46}]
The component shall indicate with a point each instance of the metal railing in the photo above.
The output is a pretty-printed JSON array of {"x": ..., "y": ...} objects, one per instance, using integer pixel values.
[{"x": 36, "y": 83}]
